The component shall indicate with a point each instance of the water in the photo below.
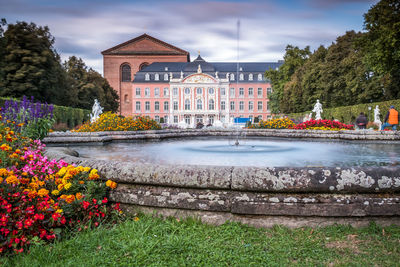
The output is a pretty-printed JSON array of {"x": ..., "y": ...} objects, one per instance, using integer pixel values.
[{"x": 251, "y": 152}]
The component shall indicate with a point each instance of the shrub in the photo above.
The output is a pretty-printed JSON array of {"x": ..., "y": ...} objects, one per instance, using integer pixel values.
[{"x": 112, "y": 122}]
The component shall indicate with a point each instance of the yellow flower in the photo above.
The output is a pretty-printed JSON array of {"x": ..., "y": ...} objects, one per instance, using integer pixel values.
[
  {"x": 62, "y": 171},
  {"x": 3, "y": 172},
  {"x": 12, "y": 179},
  {"x": 78, "y": 196},
  {"x": 43, "y": 192},
  {"x": 67, "y": 186},
  {"x": 55, "y": 192},
  {"x": 60, "y": 187},
  {"x": 136, "y": 219},
  {"x": 59, "y": 211}
]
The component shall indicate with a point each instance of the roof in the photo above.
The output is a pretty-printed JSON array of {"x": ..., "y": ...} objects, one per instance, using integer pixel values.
[{"x": 173, "y": 49}]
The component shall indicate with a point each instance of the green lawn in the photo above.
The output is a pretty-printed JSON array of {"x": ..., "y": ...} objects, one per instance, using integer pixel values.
[{"x": 156, "y": 242}]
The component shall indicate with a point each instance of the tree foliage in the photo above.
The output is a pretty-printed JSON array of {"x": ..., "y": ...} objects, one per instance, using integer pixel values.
[{"x": 29, "y": 65}]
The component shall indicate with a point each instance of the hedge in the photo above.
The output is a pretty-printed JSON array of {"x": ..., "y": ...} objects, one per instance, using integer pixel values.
[
  {"x": 70, "y": 116},
  {"x": 348, "y": 114}
]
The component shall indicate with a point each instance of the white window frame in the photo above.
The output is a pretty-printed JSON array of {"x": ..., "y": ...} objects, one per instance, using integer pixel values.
[
  {"x": 175, "y": 105},
  {"x": 147, "y": 106},
  {"x": 166, "y": 106},
  {"x": 138, "y": 92},
  {"x": 157, "y": 106},
  {"x": 147, "y": 92},
  {"x": 241, "y": 105},
  {"x": 138, "y": 105},
  {"x": 166, "y": 91},
  {"x": 199, "y": 104},
  {"x": 187, "y": 104},
  {"x": 259, "y": 105},
  {"x": 211, "y": 104},
  {"x": 232, "y": 105},
  {"x": 222, "y": 105},
  {"x": 251, "y": 105},
  {"x": 156, "y": 91}
]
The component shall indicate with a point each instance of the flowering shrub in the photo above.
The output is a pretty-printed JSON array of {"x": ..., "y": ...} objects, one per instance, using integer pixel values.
[
  {"x": 112, "y": 122},
  {"x": 274, "y": 124},
  {"x": 322, "y": 125},
  {"x": 34, "y": 120},
  {"x": 38, "y": 196}
]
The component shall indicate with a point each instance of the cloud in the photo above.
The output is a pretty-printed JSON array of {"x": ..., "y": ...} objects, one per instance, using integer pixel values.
[{"x": 335, "y": 3}]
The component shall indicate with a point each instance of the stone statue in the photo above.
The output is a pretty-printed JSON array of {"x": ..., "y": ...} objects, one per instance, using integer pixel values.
[
  {"x": 96, "y": 111},
  {"x": 199, "y": 69},
  {"x": 377, "y": 119},
  {"x": 318, "y": 110},
  {"x": 216, "y": 74},
  {"x": 181, "y": 74}
]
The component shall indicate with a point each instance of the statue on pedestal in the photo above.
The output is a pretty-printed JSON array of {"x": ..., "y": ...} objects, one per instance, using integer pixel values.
[
  {"x": 318, "y": 110},
  {"x": 377, "y": 119},
  {"x": 96, "y": 111}
]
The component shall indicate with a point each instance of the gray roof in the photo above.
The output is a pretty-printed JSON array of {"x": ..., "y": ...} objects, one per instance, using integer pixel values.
[{"x": 207, "y": 67}]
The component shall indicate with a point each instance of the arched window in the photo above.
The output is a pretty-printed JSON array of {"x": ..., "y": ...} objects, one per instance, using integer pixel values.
[
  {"x": 156, "y": 77},
  {"x": 187, "y": 104},
  {"x": 147, "y": 77},
  {"x": 250, "y": 76},
  {"x": 143, "y": 65},
  {"x": 232, "y": 77},
  {"x": 241, "y": 76},
  {"x": 126, "y": 98},
  {"x": 211, "y": 104},
  {"x": 165, "y": 77},
  {"x": 199, "y": 104},
  {"x": 260, "y": 77},
  {"x": 126, "y": 73}
]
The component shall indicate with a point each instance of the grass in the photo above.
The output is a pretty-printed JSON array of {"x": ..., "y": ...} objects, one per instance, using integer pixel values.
[{"x": 156, "y": 242}]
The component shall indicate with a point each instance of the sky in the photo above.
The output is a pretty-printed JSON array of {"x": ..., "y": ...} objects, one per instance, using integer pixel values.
[{"x": 84, "y": 28}]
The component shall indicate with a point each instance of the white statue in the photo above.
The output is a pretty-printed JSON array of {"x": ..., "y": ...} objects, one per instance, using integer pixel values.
[
  {"x": 96, "y": 111},
  {"x": 377, "y": 119},
  {"x": 216, "y": 74},
  {"x": 181, "y": 74},
  {"x": 318, "y": 110},
  {"x": 182, "y": 124}
]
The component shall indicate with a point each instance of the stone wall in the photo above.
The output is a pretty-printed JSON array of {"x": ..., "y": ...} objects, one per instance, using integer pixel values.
[{"x": 257, "y": 196}]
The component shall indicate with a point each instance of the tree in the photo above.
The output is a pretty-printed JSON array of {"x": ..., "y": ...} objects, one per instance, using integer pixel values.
[
  {"x": 31, "y": 66},
  {"x": 86, "y": 85},
  {"x": 381, "y": 44}
]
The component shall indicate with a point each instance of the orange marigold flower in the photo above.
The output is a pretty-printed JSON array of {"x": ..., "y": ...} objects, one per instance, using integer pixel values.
[
  {"x": 43, "y": 192},
  {"x": 12, "y": 179},
  {"x": 70, "y": 198},
  {"x": 78, "y": 196}
]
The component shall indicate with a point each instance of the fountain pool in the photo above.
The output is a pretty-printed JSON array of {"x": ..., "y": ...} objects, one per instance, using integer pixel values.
[{"x": 266, "y": 152}]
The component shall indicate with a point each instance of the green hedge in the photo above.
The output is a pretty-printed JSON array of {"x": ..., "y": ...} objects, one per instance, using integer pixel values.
[
  {"x": 70, "y": 116},
  {"x": 348, "y": 114}
]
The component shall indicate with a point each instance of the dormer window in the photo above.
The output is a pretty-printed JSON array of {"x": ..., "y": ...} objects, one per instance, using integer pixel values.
[
  {"x": 166, "y": 68},
  {"x": 241, "y": 69},
  {"x": 241, "y": 76},
  {"x": 232, "y": 77},
  {"x": 166, "y": 76},
  {"x": 156, "y": 77},
  {"x": 250, "y": 76},
  {"x": 147, "y": 77},
  {"x": 260, "y": 77}
]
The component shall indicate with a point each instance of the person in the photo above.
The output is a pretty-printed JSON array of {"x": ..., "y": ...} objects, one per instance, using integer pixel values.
[
  {"x": 361, "y": 121},
  {"x": 392, "y": 119}
]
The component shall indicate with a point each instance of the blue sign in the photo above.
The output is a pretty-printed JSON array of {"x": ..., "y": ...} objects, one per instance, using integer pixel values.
[{"x": 241, "y": 120}]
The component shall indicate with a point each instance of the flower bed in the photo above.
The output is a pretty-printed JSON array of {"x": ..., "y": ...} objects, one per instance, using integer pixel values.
[
  {"x": 308, "y": 125},
  {"x": 273, "y": 124},
  {"x": 39, "y": 197},
  {"x": 112, "y": 122}
]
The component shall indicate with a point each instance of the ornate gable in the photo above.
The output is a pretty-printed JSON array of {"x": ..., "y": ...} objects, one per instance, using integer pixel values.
[
  {"x": 145, "y": 45},
  {"x": 199, "y": 78}
]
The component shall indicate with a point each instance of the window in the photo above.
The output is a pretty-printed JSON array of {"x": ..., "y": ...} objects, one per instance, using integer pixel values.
[
  {"x": 241, "y": 91},
  {"x": 157, "y": 118},
  {"x": 269, "y": 91},
  {"x": 175, "y": 119},
  {"x": 250, "y": 76},
  {"x": 259, "y": 92},
  {"x": 222, "y": 118},
  {"x": 156, "y": 91},
  {"x": 156, "y": 77},
  {"x": 166, "y": 106},
  {"x": 232, "y": 105},
  {"x": 260, "y": 118},
  {"x": 211, "y": 119},
  {"x": 147, "y": 77},
  {"x": 166, "y": 68},
  {"x": 199, "y": 104},
  {"x": 211, "y": 91},
  {"x": 166, "y": 91},
  {"x": 175, "y": 105},
  {"x": 138, "y": 92},
  {"x": 156, "y": 106},
  {"x": 222, "y": 105},
  {"x": 241, "y": 77},
  {"x": 187, "y": 119},
  {"x": 241, "y": 105},
  {"x": 187, "y": 91},
  {"x": 126, "y": 100},
  {"x": 126, "y": 73},
  {"x": 147, "y": 92},
  {"x": 250, "y": 91},
  {"x": 232, "y": 77},
  {"x": 267, "y": 106},
  {"x": 259, "y": 105},
  {"x": 259, "y": 77},
  {"x": 166, "y": 77},
  {"x": 251, "y": 105},
  {"x": 232, "y": 92},
  {"x": 187, "y": 104},
  {"x": 199, "y": 119},
  {"x": 199, "y": 91},
  {"x": 175, "y": 91},
  {"x": 211, "y": 104},
  {"x": 223, "y": 91},
  {"x": 147, "y": 106},
  {"x": 165, "y": 119},
  {"x": 137, "y": 106}
]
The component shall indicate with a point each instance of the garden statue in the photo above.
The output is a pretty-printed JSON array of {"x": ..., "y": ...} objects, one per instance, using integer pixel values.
[
  {"x": 96, "y": 111},
  {"x": 318, "y": 110},
  {"x": 377, "y": 119}
]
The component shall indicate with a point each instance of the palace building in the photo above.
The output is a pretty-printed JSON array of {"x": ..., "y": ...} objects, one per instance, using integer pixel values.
[{"x": 157, "y": 79}]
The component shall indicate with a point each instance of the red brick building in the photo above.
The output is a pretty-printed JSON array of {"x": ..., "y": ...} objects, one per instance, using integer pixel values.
[{"x": 157, "y": 79}]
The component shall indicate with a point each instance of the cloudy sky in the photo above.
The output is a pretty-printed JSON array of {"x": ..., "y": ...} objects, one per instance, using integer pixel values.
[{"x": 85, "y": 28}]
